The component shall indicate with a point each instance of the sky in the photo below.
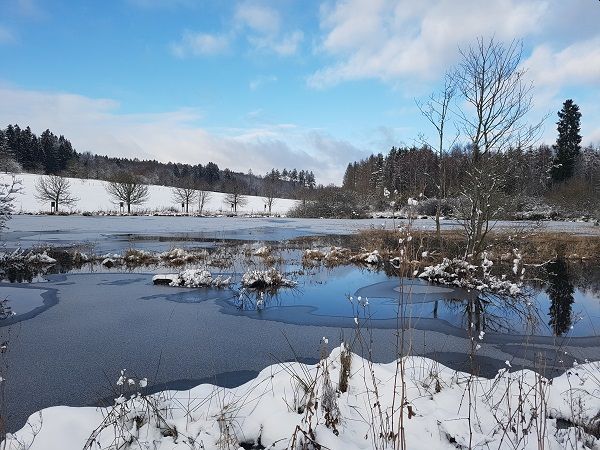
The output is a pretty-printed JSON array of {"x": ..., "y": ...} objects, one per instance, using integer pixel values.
[{"x": 255, "y": 85}]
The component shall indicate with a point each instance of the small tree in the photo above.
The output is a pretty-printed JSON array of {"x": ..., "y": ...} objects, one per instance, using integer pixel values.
[
  {"x": 436, "y": 110},
  {"x": 270, "y": 190},
  {"x": 496, "y": 99},
  {"x": 236, "y": 199},
  {"x": 568, "y": 142},
  {"x": 128, "y": 189},
  {"x": 8, "y": 190},
  {"x": 203, "y": 198},
  {"x": 53, "y": 188},
  {"x": 184, "y": 195}
]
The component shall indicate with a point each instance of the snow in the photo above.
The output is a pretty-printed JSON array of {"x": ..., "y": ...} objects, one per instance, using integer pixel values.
[
  {"x": 262, "y": 251},
  {"x": 340, "y": 255},
  {"x": 192, "y": 278},
  {"x": 290, "y": 401},
  {"x": 461, "y": 273},
  {"x": 41, "y": 258},
  {"x": 265, "y": 278},
  {"x": 93, "y": 197}
]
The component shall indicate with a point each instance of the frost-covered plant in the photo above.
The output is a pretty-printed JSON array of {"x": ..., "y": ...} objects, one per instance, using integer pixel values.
[
  {"x": 8, "y": 192},
  {"x": 462, "y": 273},
  {"x": 262, "y": 279},
  {"x": 192, "y": 278},
  {"x": 5, "y": 309}
]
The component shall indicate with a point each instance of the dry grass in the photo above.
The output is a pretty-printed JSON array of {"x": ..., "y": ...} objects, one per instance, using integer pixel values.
[{"x": 535, "y": 246}]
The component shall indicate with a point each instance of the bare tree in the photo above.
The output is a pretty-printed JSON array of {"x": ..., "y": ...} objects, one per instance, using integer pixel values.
[
  {"x": 269, "y": 201},
  {"x": 53, "y": 188},
  {"x": 128, "y": 189},
  {"x": 185, "y": 195},
  {"x": 203, "y": 198},
  {"x": 270, "y": 191},
  {"x": 236, "y": 199},
  {"x": 436, "y": 110},
  {"x": 8, "y": 191},
  {"x": 495, "y": 101}
]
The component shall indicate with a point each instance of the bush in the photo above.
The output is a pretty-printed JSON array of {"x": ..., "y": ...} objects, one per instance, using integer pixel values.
[{"x": 331, "y": 203}]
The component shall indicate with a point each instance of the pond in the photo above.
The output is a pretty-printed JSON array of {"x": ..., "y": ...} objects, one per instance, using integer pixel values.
[{"x": 74, "y": 328}]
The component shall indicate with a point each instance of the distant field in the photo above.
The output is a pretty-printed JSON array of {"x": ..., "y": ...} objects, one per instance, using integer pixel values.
[{"x": 93, "y": 197}]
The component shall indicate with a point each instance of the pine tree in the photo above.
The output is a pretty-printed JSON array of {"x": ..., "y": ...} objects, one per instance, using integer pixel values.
[{"x": 567, "y": 147}]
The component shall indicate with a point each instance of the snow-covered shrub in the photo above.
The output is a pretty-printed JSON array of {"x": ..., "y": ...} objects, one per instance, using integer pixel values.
[
  {"x": 261, "y": 279},
  {"x": 461, "y": 273},
  {"x": 40, "y": 258},
  {"x": 262, "y": 251},
  {"x": 192, "y": 278},
  {"x": 179, "y": 256},
  {"x": 372, "y": 258},
  {"x": 135, "y": 256}
]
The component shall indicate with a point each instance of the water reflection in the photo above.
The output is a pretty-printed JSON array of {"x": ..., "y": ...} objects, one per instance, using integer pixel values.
[{"x": 561, "y": 292}]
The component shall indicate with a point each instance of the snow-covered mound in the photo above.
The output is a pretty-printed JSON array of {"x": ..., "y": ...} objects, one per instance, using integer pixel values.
[
  {"x": 93, "y": 197},
  {"x": 344, "y": 402},
  {"x": 270, "y": 278},
  {"x": 191, "y": 278}
]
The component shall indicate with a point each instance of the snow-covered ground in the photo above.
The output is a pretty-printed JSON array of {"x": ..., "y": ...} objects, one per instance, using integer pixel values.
[
  {"x": 296, "y": 406},
  {"x": 93, "y": 197}
]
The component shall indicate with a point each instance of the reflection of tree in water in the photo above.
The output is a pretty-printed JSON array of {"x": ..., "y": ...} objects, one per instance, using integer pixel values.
[
  {"x": 560, "y": 290},
  {"x": 498, "y": 313}
]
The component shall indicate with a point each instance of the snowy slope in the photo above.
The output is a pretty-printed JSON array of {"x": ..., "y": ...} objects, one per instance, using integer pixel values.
[{"x": 93, "y": 197}]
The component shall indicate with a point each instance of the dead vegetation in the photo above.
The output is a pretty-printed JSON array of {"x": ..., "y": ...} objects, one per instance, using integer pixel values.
[{"x": 535, "y": 246}]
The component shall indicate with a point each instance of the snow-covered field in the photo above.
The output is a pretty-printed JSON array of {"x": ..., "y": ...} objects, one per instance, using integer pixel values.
[
  {"x": 290, "y": 406},
  {"x": 93, "y": 197}
]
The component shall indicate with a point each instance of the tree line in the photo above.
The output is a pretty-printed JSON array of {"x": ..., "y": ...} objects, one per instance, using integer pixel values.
[
  {"x": 23, "y": 150},
  {"x": 125, "y": 190}
]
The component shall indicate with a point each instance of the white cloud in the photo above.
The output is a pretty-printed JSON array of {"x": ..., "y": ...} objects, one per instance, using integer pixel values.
[
  {"x": 6, "y": 36},
  {"x": 259, "y": 18},
  {"x": 575, "y": 64},
  {"x": 200, "y": 44},
  {"x": 95, "y": 125},
  {"x": 263, "y": 28},
  {"x": 286, "y": 45},
  {"x": 393, "y": 39}
]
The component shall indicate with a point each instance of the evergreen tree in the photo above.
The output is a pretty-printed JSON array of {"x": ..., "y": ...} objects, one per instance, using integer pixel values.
[
  {"x": 49, "y": 148},
  {"x": 567, "y": 147}
]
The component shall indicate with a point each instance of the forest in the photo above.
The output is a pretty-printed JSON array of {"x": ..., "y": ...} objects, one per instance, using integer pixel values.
[{"x": 22, "y": 150}]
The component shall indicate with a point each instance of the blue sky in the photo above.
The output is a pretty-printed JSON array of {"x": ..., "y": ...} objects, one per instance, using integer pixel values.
[{"x": 255, "y": 84}]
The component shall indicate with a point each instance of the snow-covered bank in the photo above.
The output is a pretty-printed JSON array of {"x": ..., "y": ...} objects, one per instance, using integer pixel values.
[
  {"x": 93, "y": 197},
  {"x": 344, "y": 402}
]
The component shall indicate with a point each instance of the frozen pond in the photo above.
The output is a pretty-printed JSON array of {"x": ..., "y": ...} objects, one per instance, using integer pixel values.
[
  {"x": 111, "y": 233},
  {"x": 72, "y": 333},
  {"x": 100, "y": 323}
]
